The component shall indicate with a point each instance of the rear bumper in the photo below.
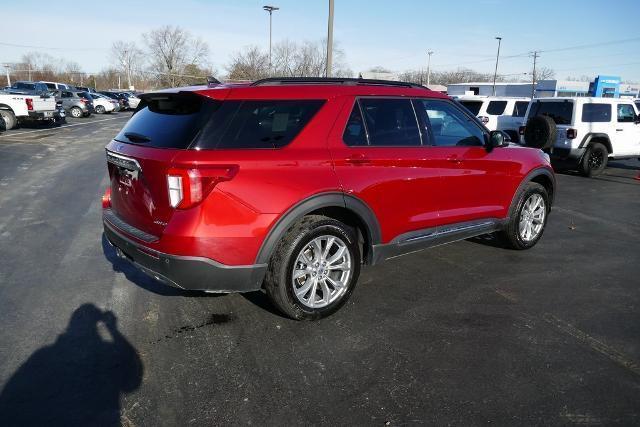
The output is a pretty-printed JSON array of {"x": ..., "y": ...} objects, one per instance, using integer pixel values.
[
  {"x": 42, "y": 115},
  {"x": 186, "y": 272}
]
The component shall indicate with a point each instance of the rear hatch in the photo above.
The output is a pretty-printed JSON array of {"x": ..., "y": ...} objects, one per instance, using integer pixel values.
[
  {"x": 40, "y": 103},
  {"x": 561, "y": 111},
  {"x": 140, "y": 156}
]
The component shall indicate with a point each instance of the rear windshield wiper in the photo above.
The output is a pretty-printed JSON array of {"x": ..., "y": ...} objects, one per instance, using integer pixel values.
[{"x": 136, "y": 137}]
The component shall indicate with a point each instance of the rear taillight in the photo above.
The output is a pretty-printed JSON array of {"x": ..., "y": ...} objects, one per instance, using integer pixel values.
[
  {"x": 484, "y": 119},
  {"x": 29, "y": 102},
  {"x": 521, "y": 130},
  {"x": 188, "y": 187},
  {"x": 106, "y": 199},
  {"x": 572, "y": 133}
]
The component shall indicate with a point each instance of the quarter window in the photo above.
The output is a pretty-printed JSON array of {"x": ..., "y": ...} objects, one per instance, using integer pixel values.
[
  {"x": 472, "y": 106},
  {"x": 496, "y": 108},
  {"x": 626, "y": 113},
  {"x": 520, "y": 109},
  {"x": 450, "y": 126},
  {"x": 596, "y": 113},
  {"x": 354, "y": 132},
  {"x": 390, "y": 122}
]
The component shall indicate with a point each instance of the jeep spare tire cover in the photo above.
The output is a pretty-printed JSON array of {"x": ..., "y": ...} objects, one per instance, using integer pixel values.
[{"x": 540, "y": 132}]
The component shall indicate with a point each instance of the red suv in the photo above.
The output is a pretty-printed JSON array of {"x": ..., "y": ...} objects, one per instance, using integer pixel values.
[{"x": 292, "y": 184}]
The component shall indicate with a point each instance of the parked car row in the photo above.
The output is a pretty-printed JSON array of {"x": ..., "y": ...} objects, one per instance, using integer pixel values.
[
  {"x": 52, "y": 101},
  {"x": 577, "y": 132}
]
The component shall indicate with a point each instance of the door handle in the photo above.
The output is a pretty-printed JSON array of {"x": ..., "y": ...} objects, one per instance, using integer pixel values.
[
  {"x": 454, "y": 159},
  {"x": 619, "y": 130},
  {"x": 358, "y": 159}
]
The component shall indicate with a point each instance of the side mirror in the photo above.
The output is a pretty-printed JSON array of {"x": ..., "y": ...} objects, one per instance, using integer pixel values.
[{"x": 497, "y": 138}]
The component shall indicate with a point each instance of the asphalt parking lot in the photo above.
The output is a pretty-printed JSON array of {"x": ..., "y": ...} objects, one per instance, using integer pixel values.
[{"x": 462, "y": 334}]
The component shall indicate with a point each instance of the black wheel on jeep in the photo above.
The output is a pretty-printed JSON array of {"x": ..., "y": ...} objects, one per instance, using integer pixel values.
[
  {"x": 540, "y": 132},
  {"x": 594, "y": 161},
  {"x": 314, "y": 269},
  {"x": 528, "y": 218}
]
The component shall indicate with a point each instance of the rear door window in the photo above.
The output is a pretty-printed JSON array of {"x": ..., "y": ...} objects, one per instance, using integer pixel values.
[
  {"x": 496, "y": 108},
  {"x": 472, "y": 106},
  {"x": 560, "y": 111},
  {"x": 171, "y": 120},
  {"x": 390, "y": 122},
  {"x": 520, "y": 109},
  {"x": 594, "y": 113},
  {"x": 257, "y": 124}
]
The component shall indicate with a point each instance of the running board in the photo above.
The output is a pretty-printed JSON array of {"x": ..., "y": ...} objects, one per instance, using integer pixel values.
[{"x": 423, "y": 239}]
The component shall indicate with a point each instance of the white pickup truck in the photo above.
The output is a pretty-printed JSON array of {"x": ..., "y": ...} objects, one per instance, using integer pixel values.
[{"x": 16, "y": 109}]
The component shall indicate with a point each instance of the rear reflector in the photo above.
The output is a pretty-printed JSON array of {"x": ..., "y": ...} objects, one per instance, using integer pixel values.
[
  {"x": 29, "y": 102},
  {"x": 106, "y": 199}
]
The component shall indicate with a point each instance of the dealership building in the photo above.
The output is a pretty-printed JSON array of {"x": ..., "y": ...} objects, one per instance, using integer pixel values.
[{"x": 601, "y": 86}]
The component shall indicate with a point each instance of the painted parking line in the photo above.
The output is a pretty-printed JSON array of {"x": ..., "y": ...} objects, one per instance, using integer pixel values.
[{"x": 58, "y": 128}]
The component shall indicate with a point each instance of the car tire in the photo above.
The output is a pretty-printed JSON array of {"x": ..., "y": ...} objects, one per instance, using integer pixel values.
[
  {"x": 100, "y": 109},
  {"x": 10, "y": 120},
  {"x": 540, "y": 132},
  {"x": 300, "y": 268},
  {"x": 75, "y": 112},
  {"x": 527, "y": 215},
  {"x": 594, "y": 161}
]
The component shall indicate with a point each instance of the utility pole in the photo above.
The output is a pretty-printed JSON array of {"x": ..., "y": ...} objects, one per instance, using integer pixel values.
[
  {"x": 81, "y": 76},
  {"x": 330, "y": 41},
  {"x": 29, "y": 71},
  {"x": 270, "y": 9},
  {"x": 6, "y": 66},
  {"x": 495, "y": 73},
  {"x": 429, "y": 53},
  {"x": 118, "y": 81},
  {"x": 533, "y": 75}
]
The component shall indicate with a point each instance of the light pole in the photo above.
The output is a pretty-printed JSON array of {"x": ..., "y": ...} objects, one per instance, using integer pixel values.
[
  {"x": 329, "y": 41},
  {"x": 270, "y": 9},
  {"x": 429, "y": 53},
  {"x": 6, "y": 66},
  {"x": 495, "y": 73}
]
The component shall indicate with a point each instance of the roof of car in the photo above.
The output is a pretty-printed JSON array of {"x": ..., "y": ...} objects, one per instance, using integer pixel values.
[
  {"x": 490, "y": 98},
  {"x": 588, "y": 99},
  {"x": 319, "y": 88}
]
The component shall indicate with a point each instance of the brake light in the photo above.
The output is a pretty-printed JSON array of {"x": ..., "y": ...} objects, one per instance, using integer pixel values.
[
  {"x": 484, "y": 119},
  {"x": 106, "y": 199},
  {"x": 84, "y": 101},
  {"x": 188, "y": 187},
  {"x": 572, "y": 133},
  {"x": 29, "y": 102},
  {"x": 521, "y": 130}
]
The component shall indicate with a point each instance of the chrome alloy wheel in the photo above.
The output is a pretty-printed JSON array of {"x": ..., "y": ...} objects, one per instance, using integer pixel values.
[
  {"x": 532, "y": 217},
  {"x": 322, "y": 271}
]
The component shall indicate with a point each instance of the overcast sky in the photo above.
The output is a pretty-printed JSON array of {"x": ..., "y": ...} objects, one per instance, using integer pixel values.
[{"x": 394, "y": 34}]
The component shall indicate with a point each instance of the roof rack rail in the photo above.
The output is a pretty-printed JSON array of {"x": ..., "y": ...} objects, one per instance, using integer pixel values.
[{"x": 276, "y": 81}]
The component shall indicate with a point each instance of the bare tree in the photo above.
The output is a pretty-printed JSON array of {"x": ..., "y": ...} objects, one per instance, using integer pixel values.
[
  {"x": 171, "y": 49},
  {"x": 127, "y": 57},
  {"x": 544, "y": 73},
  {"x": 250, "y": 64}
]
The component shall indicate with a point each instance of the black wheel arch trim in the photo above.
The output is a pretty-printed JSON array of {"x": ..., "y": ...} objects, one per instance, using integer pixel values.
[
  {"x": 315, "y": 202},
  {"x": 529, "y": 178},
  {"x": 586, "y": 140}
]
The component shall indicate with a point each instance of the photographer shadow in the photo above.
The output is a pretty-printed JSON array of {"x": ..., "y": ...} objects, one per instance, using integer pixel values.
[{"x": 78, "y": 380}]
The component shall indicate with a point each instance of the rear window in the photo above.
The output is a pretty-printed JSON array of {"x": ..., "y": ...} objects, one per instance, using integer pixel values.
[
  {"x": 257, "y": 124},
  {"x": 84, "y": 95},
  {"x": 560, "y": 111},
  {"x": 593, "y": 113},
  {"x": 520, "y": 109},
  {"x": 168, "y": 120},
  {"x": 472, "y": 106},
  {"x": 496, "y": 108}
]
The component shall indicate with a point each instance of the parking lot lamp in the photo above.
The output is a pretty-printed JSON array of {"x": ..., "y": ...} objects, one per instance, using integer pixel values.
[
  {"x": 495, "y": 73},
  {"x": 429, "y": 53},
  {"x": 270, "y": 9},
  {"x": 329, "y": 62}
]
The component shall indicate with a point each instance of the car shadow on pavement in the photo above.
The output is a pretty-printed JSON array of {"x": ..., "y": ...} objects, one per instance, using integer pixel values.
[
  {"x": 78, "y": 380},
  {"x": 492, "y": 240},
  {"x": 142, "y": 280}
]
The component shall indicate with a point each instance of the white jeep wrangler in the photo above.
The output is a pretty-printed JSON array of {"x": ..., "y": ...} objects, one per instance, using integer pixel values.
[
  {"x": 497, "y": 112},
  {"x": 583, "y": 132}
]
